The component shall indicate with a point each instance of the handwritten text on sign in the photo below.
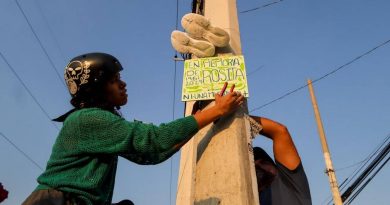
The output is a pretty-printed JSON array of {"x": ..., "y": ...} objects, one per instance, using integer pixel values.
[{"x": 204, "y": 77}]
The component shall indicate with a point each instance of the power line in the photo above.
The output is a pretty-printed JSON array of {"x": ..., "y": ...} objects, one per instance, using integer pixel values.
[
  {"x": 184, "y": 168},
  {"x": 260, "y": 7},
  {"x": 173, "y": 100},
  {"x": 350, "y": 166},
  {"x": 254, "y": 71},
  {"x": 372, "y": 154},
  {"x": 21, "y": 151},
  {"x": 365, "y": 174},
  {"x": 197, "y": 6},
  {"x": 27, "y": 89},
  {"x": 346, "y": 180},
  {"x": 322, "y": 77},
  {"x": 357, "y": 170},
  {"x": 367, "y": 160},
  {"x": 177, "y": 14},
  {"x": 173, "y": 118},
  {"x": 351, "y": 192},
  {"x": 40, "y": 43},
  {"x": 50, "y": 30},
  {"x": 368, "y": 181}
]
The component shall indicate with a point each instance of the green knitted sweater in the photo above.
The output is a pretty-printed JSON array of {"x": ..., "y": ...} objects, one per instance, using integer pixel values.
[{"x": 85, "y": 155}]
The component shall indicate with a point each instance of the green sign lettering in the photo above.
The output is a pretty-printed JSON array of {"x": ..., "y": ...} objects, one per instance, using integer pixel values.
[{"x": 204, "y": 77}]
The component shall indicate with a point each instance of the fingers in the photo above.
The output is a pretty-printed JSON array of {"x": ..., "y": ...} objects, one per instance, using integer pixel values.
[
  {"x": 240, "y": 99},
  {"x": 232, "y": 88},
  {"x": 224, "y": 88},
  {"x": 217, "y": 97},
  {"x": 235, "y": 94},
  {"x": 231, "y": 101},
  {"x": 222, "y": 92},
  {"x": 235, "y": 98}
]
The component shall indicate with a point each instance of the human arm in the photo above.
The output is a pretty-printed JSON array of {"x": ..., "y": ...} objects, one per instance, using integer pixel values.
[
  {"x": 223, "y": 106},
  {"x": 97, "y": 131},
  {"x": 102, "y": 132},
  {"x": 284, "y": 149}
]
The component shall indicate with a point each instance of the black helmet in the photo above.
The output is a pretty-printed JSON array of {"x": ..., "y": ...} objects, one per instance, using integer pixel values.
[
  {"x": 88, "y": 70},
  {"x": 85, "y": 75}
]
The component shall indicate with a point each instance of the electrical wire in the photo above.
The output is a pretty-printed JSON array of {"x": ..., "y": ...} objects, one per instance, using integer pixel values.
[
  {"x": 184, "y": 168},
  {"x": 197, "y": 6},
  {"x": 350, "y": 166},
  {"x": 173, "y": 100},
  {"x": 50, "y": 30},
  {"x": 366, "y": 173},
  {"x": 322, "y": 77},
  {"x": 40, "y": 44},
  {"x": 260, "y": 7},
  {"x": 21, "y": 151},
  {"x": 368, "y": 158},
  {"x": 357, "y": 170},
  {"x": 28, "y": 90},
  {"x": 368, "y": 181},
  {"x": 372, "y": 166},
  {"x": 254, "y": 71},
  {"x": 173, "y": 118}
]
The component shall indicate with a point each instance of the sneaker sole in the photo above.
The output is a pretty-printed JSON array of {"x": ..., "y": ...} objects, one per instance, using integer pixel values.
[
  {"x": 185, "y": 44},
  {"x": 197, "y": 26}
]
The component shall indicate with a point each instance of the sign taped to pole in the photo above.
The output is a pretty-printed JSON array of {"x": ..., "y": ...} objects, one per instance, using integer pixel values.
[{"x": 204, "y": 77}]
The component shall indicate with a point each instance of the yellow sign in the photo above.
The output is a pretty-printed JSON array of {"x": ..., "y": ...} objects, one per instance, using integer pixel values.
[{"x": 204, "y": 77}]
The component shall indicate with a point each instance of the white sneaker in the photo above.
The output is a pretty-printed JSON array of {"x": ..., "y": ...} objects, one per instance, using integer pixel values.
[
  {"x": 185, "y": 44},
  {"x": 197, "y": 26}
]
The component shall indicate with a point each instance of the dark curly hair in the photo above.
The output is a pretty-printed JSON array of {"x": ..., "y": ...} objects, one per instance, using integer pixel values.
[{"x": 92, "y": 96}]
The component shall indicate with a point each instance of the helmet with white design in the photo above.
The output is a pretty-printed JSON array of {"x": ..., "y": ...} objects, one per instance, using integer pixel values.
[{"x": 88, "y": 71}]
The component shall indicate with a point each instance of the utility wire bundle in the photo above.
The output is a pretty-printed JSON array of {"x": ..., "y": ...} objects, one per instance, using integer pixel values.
[{"x": 363, "y": 175}]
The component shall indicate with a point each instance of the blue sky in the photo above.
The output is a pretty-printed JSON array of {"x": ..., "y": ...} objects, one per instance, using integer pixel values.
[{"x": 293, "y": 40}]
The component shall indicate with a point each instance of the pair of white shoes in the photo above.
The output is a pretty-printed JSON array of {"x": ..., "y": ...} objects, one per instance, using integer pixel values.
[{"x": 201, "y": 37}]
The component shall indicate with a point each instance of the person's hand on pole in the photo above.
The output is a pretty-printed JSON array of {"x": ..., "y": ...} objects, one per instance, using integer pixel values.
[{"x": 224, "y": 105}]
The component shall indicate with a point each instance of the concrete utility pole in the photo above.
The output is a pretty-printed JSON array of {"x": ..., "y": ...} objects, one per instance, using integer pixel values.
[
  {"x": 328, "y": 161},
  {"x": 216, "y": 166}
]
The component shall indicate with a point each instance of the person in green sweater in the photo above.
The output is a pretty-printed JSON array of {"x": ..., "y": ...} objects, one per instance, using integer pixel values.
[{"x": 83, "y": 163}]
